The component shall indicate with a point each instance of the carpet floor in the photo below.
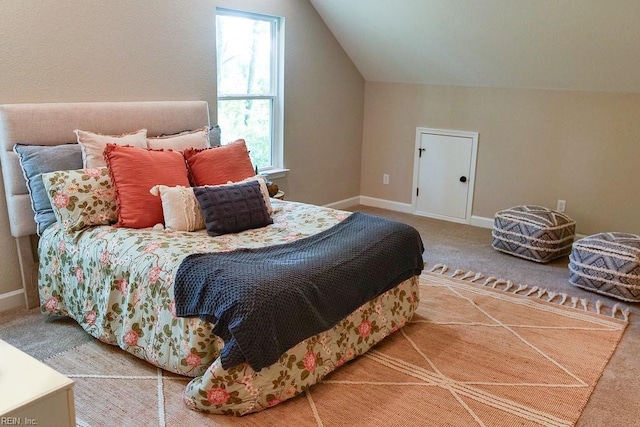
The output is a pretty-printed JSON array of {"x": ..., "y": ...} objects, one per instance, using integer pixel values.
[
  {"x": 613, "y": 401},
  {"x": 473, "y": 354}
]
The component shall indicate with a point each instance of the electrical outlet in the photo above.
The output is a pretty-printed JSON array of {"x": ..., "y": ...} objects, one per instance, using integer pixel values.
[
  {"x": 562, "y": 205},
  {"x": 385, "y": 178}
]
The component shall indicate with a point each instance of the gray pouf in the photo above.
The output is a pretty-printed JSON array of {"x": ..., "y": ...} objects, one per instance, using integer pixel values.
[
  {"x": 533, "y": 232},
  {"x": 607, "y": 263}
]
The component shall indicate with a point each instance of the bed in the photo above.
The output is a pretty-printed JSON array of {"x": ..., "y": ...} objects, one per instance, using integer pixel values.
[{"x": 120, "y": 283}]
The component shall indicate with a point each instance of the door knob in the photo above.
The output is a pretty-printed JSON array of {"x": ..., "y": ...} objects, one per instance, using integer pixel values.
[{"x": 463, "y": 179}]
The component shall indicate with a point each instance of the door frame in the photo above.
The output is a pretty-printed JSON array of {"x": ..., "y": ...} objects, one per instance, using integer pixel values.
[{"x": 472, "y": 171}]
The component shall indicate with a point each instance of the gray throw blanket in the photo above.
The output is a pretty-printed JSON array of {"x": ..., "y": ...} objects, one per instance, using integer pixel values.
[{"x": 264, "y": 301}]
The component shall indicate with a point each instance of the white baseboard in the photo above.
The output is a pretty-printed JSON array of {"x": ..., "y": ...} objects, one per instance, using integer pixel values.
[
  {"x": 13, "y": 299},
  {"x": 480, "y": 221},
  {"x": 476, "y": 221},
  {"x": 346, "y": 203},
  {"x": 386, "y": 204}
]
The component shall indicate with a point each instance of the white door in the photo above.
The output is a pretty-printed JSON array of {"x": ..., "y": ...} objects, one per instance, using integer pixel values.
[{"x": 444, "y": 174}]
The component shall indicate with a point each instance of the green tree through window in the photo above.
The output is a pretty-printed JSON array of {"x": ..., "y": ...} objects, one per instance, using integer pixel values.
[{"x": 249, "y": 101}]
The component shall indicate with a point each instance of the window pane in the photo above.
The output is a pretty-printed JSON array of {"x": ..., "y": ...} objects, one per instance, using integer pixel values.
[
  {"x": 244, "y": 55},
  {"x": 251, "y": 121}
]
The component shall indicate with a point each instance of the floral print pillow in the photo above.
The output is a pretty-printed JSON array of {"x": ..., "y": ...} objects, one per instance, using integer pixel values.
[{"x": 81, "y": 198}]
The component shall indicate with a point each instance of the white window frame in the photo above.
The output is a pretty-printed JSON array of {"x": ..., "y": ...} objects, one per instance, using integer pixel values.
[{"x": 276, "y": 169}]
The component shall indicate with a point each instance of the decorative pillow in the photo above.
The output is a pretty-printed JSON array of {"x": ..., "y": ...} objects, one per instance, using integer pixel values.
[
  {"x": 263, "y": 189},
  {"x": 133, "y": 172},
  {"x": 219, "y": 165},
  {"x": 214, "y": 136},
  {"x": 81, "y": 198},
  {"x": 180, "y": 208},
  {"x": 93, "y": 145},
  {"x": 38, "y": 159},
  {"x": 232, "y": 208},
  {"x": 191, "y": 139}
]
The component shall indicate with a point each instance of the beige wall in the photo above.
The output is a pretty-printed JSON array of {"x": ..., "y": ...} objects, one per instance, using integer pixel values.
[
  {"x": 324, "y": 102},
  {"x": 118, "y": 50},
  {"x": 535, "y": 147}
]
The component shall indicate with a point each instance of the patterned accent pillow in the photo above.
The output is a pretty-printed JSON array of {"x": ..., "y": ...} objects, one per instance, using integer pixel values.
[
  {"x": 219, "y": 165},
  {"x": 232, "y": 208},
  {"x": 81, "y": 198},
  {"x": 93, "y": 145},
  {"x": 38, "y": 159}
]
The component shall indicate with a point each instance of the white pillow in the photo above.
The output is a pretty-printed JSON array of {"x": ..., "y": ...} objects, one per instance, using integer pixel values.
[
  {"x": 93, "y": 145},
  {"x": 180, "y": 208},
  {"x": 198, "y": 138}
]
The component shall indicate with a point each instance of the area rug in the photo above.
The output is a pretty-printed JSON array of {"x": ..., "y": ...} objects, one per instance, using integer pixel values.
[{"x": 478, "y": 352}]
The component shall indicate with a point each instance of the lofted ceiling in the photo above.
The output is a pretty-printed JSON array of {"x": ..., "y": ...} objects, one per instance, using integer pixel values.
[{"x": 589, "y": 45}]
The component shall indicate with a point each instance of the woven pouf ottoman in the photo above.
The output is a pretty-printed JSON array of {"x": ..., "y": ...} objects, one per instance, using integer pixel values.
[
  {"x": 607, "y": 263},
  {"x": 533, "y": 232}
]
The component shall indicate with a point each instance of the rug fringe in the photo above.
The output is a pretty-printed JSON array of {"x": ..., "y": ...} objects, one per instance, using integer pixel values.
[
  {"x": 437, "y": 267},
  {"x": 559, "y": 298},
  {"x": 564, "y": 299}
]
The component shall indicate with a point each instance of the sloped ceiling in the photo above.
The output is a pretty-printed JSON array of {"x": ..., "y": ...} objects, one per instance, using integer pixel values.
[{"x": 591, "y": 45}]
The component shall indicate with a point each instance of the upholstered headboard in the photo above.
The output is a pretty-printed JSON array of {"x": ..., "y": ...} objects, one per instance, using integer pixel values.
[{"x": 53, "y": 124}]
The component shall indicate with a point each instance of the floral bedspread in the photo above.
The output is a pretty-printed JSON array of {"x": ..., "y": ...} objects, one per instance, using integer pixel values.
[{"x": 117, "y": 283}]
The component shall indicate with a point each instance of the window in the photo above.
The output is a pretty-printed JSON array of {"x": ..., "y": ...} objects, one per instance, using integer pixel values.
[{"x": 250, "y": 84}]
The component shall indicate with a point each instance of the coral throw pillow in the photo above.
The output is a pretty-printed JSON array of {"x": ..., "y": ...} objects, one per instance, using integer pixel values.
[
  {"x": 134, "y": 171},
  {"x": 219, "y": 165}
]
